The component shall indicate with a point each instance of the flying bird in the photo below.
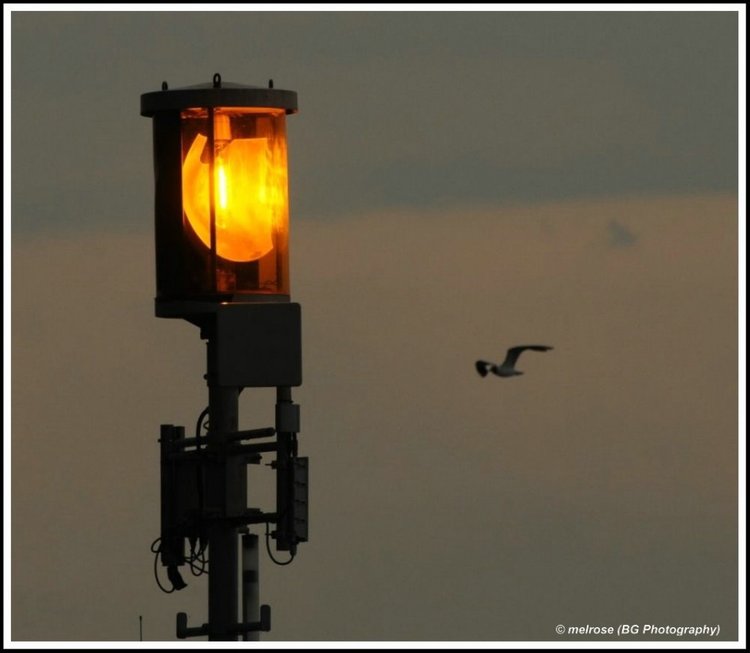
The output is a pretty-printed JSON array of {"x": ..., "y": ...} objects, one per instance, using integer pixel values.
[{"x": 507, "y": 367}]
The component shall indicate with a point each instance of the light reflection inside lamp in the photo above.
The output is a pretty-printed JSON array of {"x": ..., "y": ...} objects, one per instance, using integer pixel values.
[{"x": 250, "y": 195}]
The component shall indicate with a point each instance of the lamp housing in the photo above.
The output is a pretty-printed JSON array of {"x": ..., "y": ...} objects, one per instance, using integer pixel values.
[{"x": 221, "y": 195}]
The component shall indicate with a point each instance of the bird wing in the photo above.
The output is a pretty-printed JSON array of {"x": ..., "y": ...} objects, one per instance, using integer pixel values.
[{"x": 515, "y": 352}]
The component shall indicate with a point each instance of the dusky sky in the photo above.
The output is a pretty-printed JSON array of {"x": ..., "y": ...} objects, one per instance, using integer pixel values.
[{"x": 460, "y": 182}]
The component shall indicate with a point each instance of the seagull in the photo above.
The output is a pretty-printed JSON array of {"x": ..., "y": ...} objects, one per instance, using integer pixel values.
[{"x": 507, "y": 367}]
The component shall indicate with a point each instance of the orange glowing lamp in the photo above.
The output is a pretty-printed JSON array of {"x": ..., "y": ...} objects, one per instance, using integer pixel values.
[
  {"x": 222, "y": 207},
  {"x": 249, "y": 188}
]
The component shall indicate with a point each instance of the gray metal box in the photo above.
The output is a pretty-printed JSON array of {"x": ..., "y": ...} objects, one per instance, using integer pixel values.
[{"x": 258, "y": 345}]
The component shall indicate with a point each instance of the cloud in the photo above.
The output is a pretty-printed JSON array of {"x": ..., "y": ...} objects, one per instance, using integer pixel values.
[{"x": 443, "y": 506}]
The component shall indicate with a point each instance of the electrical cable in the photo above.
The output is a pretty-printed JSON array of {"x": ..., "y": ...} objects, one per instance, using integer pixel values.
[
  {"x": 172, "y": 573},
  {"x": 201, "y": 417},
  {"x": 157, "y": 550},
  {"x": 198, "y": 561},
  {"x": 270, "y": 555}
]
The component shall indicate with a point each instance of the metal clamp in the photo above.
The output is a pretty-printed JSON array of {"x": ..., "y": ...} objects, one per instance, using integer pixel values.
[
  {"x": 183, "y": 632},
  {"x": 264, "y": 625}
]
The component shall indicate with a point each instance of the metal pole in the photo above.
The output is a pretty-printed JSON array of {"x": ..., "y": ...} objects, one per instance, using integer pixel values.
[
  {"x": 225, "y": 488},
  {"x": 250, "y": 579}
]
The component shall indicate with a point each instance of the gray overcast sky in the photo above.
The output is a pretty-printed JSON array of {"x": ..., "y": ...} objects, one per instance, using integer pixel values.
[
  {"x": 407, "y": 109},
  {"x": 460, "y": 182}
]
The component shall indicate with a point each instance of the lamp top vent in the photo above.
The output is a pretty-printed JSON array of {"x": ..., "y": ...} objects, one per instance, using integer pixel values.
[{"x": 217, "y": 93}]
